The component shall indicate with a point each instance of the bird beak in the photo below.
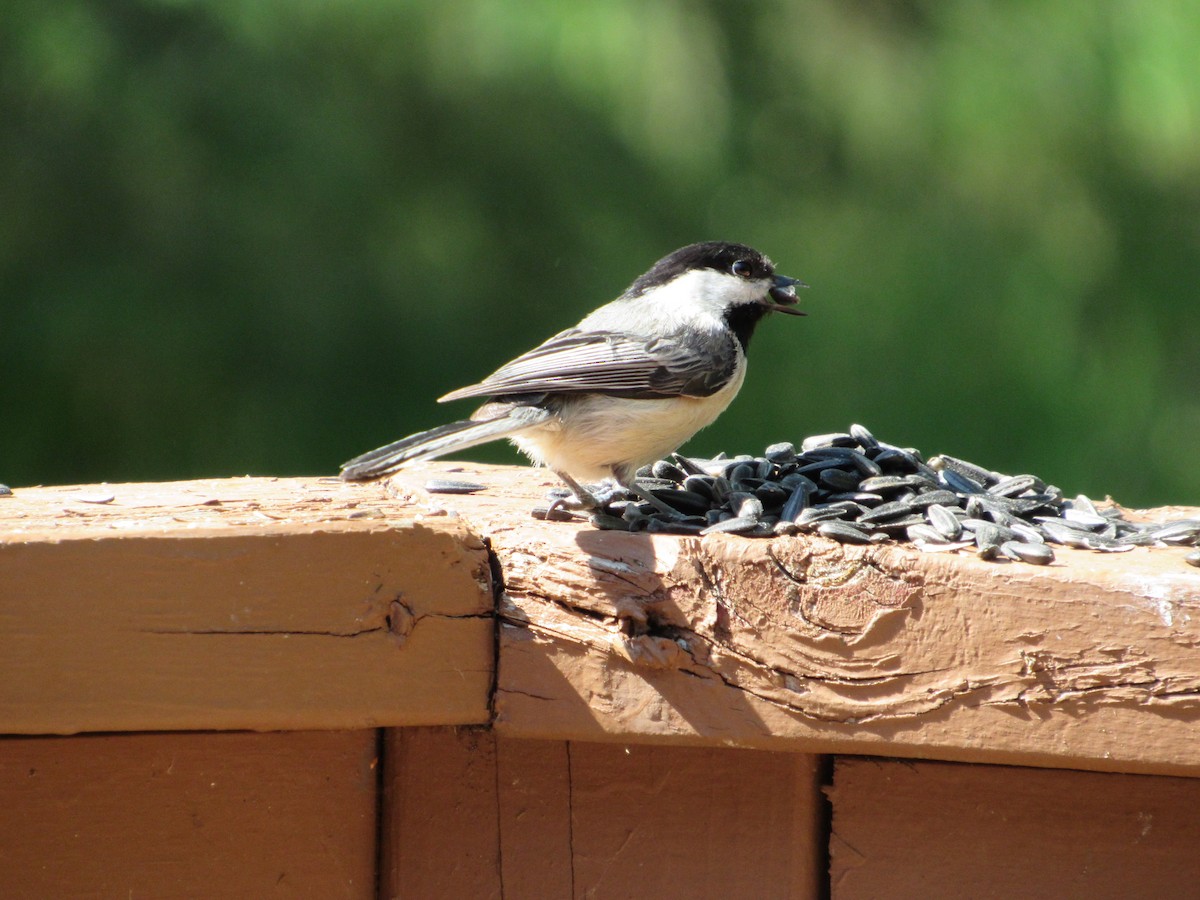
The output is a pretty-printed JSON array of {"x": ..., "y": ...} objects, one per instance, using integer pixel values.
[{"x": 783, "y": 292}]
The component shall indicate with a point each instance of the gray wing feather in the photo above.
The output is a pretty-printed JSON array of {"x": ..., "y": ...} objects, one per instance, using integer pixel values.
[{"x": 610, "y": 363}]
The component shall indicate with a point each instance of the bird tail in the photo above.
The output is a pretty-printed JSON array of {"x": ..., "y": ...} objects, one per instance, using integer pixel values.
[{"x": 430, "y": 444}]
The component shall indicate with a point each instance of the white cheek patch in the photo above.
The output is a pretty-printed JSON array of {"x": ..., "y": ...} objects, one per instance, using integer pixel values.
[
  {"x": 696, "y": 300},
  {"x": 709, "y": 291}
]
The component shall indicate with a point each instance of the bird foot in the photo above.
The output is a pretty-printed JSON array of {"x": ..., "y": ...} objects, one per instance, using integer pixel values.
[
  {"x": 590, "y": 499},
  {"x": 598, "y": 498}
]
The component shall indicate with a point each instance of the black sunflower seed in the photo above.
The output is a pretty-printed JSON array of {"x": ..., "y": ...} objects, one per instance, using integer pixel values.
[
  {"x": 843, "y": 532},
  {"x": 858, "y": 489},
  {"x": 735, "y": 525}
]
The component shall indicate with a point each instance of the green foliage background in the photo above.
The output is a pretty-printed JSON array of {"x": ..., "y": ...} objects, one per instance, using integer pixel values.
[{"x": 256, "y": 236}]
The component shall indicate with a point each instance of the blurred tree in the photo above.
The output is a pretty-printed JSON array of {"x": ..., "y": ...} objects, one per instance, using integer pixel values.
[{"x": 264, "y": 236}]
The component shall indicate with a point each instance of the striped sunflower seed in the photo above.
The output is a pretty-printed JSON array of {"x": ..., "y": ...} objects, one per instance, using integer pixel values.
[
  {"x": 843, "y": 532},
  {"x": 944, "y": 521},
  {"x": 1037, "y": 554},
  {"x": 858, "y": 488},
  {"x": 735, "y": 525}
]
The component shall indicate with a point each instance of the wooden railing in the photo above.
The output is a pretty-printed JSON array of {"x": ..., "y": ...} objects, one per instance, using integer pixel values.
[{"x": 469, "y": 702}]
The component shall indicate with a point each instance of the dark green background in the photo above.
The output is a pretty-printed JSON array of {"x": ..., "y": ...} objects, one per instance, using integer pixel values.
[{"x": 261, "y": 237}]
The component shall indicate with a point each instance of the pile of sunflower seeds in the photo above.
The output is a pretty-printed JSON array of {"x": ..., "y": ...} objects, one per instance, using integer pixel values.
[{"x": 857, "y": 489}]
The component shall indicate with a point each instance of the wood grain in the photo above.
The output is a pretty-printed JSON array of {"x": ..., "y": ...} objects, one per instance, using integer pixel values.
[
  {"x": 440, "y": 821},
  {"x": 918, "y": 830},
  {"x": 803, "y": 643},
  {"x": 470, "y": 814},
  {"x": 128, "y": 617},
  {"x": 265, "y": 603},
  {"x": 189, "y": 815},
  {"x": 687, "y": 822}
]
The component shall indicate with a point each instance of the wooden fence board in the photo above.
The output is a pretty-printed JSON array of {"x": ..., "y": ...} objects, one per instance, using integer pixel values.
[
  {"x": 470, "y": 814},
  {"x": 441, "y": 820},
  {"x": 694, "y": 822},
  {"x": 919, "y": 830},
  {"x": 535, "y": 795},
  {"x": 188, "y": 815}
]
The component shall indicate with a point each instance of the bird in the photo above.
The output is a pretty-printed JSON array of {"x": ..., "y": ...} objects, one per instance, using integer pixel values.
[{"x": 628, "y": 385}]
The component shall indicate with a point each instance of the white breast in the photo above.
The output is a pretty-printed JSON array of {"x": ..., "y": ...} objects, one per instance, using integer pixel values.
[{"x": 597, "y": 432}]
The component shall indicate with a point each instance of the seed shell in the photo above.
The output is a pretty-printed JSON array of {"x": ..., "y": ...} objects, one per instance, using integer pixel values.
[
  {"x": 735, "y": 525},
  {"x": 843, "y": 532},
  {"x": 1037, "y": 554},
  {"x": 944, "y": 521},
  {"x": 452, "y": 486},
  {"x": 855, "y": 488}
]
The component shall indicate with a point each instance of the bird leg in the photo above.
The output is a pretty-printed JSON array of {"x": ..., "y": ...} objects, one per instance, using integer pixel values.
[
  {"x": 599, "y": 500},
  {"x": 584, "y": 498}
]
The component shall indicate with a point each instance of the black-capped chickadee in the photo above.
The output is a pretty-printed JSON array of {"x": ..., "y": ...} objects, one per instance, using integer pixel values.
[{"x": 627, "y": 385}]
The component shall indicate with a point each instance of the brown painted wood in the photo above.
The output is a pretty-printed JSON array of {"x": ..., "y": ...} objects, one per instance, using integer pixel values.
[
  {"x": 534, "y": 789},
  {"x": 238, "y": 604},
  {"x": 806, "y": 644},
  {"x": 467, "y": 814},
  {"x": 920, "y": 830},
  {"x": 268, "y": 603},
  {"x": 441, "y": 821},
  {"x": 688, "y": 822},
  {"x": 188, "y": 815}
]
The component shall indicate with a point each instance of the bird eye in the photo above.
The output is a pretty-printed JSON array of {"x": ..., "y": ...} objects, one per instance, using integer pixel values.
[{"x": 742, "y": 268}]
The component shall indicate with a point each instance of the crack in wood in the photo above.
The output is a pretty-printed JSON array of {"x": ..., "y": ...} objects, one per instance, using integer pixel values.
[
  {"x": 906, "y": 645},
  {"x": 529, "y": 694},
  {"x": 309, "y": 632},
  {"x": 495, "y": 581},
  {"x": 269, "y": 632},
  {"x": 1146, "y": 693},
  {"x": 812, "y": 714}
]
